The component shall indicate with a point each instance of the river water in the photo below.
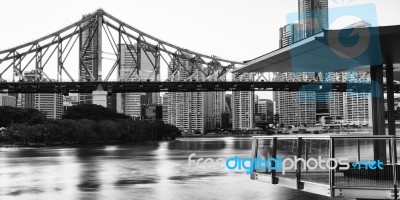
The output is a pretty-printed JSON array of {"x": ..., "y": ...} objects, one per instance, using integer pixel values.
[{"x": 152, "y": 170}]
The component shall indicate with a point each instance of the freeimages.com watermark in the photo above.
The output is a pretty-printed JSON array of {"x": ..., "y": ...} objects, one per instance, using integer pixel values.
[{"x": 280, "y": 163}]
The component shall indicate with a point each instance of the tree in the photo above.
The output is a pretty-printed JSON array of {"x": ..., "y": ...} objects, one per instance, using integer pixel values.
[
  {"x": 79, "y": 129},
  {"x": 30, "y": 116},
  {"x": 92, "y": 112}
]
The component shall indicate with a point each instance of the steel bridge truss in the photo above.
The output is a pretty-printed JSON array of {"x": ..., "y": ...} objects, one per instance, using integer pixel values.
[{"x": 86, "y": 37}]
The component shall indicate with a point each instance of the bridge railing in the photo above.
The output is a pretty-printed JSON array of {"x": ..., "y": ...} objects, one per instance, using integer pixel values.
[{"x": 334, "y": 165}]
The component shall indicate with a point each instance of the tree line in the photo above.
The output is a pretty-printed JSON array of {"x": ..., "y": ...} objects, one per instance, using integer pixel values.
[{"x": 80, "y": 124}]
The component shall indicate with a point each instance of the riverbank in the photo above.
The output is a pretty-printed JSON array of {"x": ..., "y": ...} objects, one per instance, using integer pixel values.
[
  {"x": 83, "y": 124},
  {"x": 62, "y": 144},
  {"x": 222, "y": 136}
]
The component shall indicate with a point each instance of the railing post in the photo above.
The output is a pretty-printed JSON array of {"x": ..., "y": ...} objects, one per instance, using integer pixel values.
[
  {"x": 274, "y": 153},
  {"x": 300, "y": 185},
  {"x": 331, "y": 172},
  {"x": 358, "y": 151},
  {"x": 393, "y": 151},
  {"x": 254, "y": 148},
  {"x": 306, "y": 151}
]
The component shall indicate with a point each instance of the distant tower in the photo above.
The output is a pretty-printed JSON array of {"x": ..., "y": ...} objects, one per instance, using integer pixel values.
[
  {"x": 8, "y": 100},
  {"x": 357, "y": 106},
  {"x": 215, "y": 105},
  {"x": 299, "y": 108},
  {"x": 165, "y": 103},
  {"x": 50, "y": 104},
  {"x": 134, "y": 60},
  {"x": 313, "y": 16},
  {"x": 91, "y": 55},
  {"x": 290, "y": 34},
  {"x": 186, "y": 110},
  {"x": 243, "y": 106},
  {"x": 295, "y": 108}
]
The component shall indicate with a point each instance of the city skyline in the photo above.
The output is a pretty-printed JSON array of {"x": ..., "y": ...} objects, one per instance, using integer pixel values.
[
  {"x": 200, "y": 99},
  {"x": 90, "y": 58},
  {"x": 222, "y": 18}
]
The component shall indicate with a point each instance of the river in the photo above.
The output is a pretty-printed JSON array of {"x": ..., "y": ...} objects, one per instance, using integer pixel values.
[{"x": 152, "y": 170}]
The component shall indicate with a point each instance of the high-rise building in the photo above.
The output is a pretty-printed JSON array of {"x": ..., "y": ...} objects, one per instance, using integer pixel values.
[
  {"x": 356, "y": 106},
  {"x": 265, "y": 109},
  {"x": 136, "y": 67},
  {"x": 186, "y": 110},
  {"x": 195, "y": 111},
  {"x": 225, "y": 120},
  {"x": 299, "y": 108},
  {"x": 243, "y": 105},
  {"x": 228, "y": 108},
  {"x": 165, "y": 103},
  {"x": 228, "y": 103},
  {"x": 290, "y": 34},
  {"x": 7, "y": 100},
  {"x": 313, "y": 16},
  {"x": 336, "y": 108},
  {"x": 50, "y": 104},
  {"x": 27, "y": 100},
  {"x": 214, "y": 105},
  {"x": 151, "y": 112},
  {"x": 89, "y": 65},
  {"x": 295, "y": 108},
  {"x": 322, "y": 99},
  {"x": 270, "y": 111},
  {"x": 69, "y": 101}
]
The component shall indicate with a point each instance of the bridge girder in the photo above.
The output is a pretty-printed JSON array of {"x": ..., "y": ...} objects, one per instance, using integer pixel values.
[{"x": 89, "y": 32}]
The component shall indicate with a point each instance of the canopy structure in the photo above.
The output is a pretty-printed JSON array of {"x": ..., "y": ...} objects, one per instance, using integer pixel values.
[
  {"x": 333, "y": 50},
  {"x": 376, "y": 49}
]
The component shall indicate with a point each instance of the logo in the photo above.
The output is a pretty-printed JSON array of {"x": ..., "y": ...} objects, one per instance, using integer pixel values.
[
  {"x": 343, "y": 38},
  {"x": 280, "y": 163},
  {"x": 352, "y": 40}
]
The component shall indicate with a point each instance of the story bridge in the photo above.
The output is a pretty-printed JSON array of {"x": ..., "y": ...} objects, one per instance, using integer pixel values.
[{"x": 75, "y": 59}]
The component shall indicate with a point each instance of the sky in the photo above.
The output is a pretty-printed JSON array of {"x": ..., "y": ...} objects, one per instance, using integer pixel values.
[{"x": 232, "y": 29}]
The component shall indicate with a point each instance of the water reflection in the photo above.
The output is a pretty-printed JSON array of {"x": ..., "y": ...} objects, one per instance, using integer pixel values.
[{"x": 153, "y": 170}]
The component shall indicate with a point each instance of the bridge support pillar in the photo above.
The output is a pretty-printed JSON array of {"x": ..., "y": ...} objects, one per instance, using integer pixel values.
[
  {"x": 378, "y": 111},
  {"x": 100, "y": 96}
]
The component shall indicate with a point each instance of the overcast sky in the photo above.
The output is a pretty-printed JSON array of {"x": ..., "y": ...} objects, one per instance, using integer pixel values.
[{"x": 233, "y": 29}]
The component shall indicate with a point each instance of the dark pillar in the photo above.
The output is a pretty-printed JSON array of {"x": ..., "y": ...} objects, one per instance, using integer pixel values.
[
  {"x": 300, "y": 185},
  {"x": 378, "y": 111},
  {"x": 390, "y": 99}
]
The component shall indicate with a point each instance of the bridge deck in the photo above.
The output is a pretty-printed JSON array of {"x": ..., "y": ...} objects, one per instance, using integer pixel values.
[{"x": 122, "y": 87}]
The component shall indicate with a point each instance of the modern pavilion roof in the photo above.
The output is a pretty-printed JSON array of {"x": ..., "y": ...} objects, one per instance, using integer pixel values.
[{"x": 333, "y": 50}]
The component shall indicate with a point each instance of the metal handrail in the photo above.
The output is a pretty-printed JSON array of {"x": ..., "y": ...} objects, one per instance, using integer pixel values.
[
  {"x": 332, "y": 138},
  {"x": 328, "y": 136}
]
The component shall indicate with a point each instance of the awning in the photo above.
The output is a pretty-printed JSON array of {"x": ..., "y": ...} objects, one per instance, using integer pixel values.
[{"x": 333, "y": 50}]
